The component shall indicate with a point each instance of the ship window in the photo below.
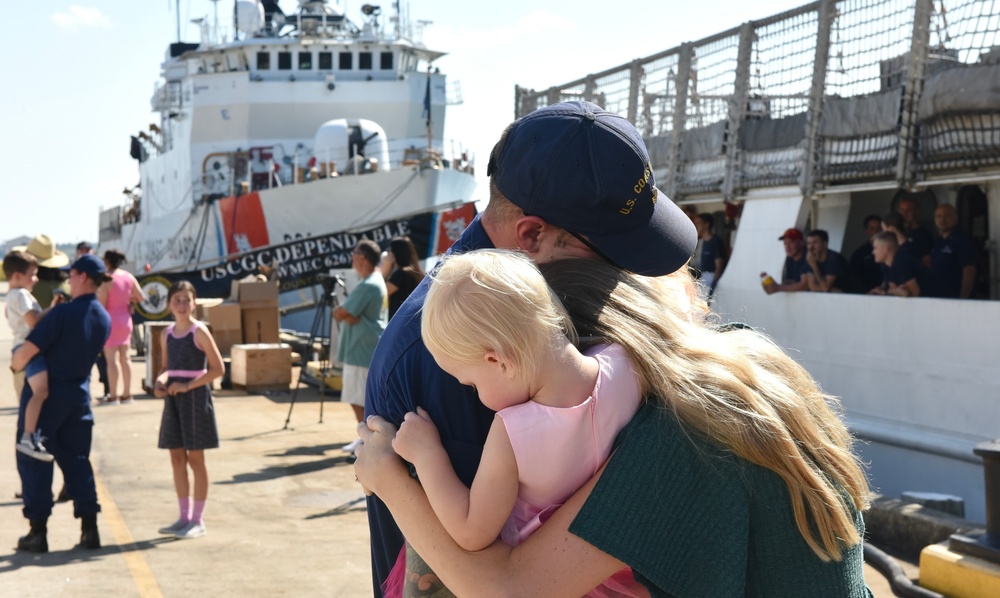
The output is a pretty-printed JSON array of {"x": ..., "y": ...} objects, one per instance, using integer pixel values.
[
  {"x": 346, "y": 61},
  {"x": 365, "y": 61},
  {"x": 284, "y": 61},
  {"x": 386, "y": 61},
  {"x": 326, "y": 61},
  {"x": 305, "y": 61},
  {"x": 263, "y": 61}
]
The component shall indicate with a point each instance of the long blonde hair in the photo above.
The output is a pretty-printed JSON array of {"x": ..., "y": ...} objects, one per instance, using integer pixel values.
[
  {"x": 735, "y": 387},
  {"x": 493, "y": 300}
]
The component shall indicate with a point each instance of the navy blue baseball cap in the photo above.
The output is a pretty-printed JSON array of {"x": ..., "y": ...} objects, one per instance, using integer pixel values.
[
  {"x": 92, "y": 266},
  {"x": 586, "y": 170}
]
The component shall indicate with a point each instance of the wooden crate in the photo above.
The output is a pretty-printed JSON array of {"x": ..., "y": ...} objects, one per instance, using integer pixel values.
[{"x": 263, "y": 366}]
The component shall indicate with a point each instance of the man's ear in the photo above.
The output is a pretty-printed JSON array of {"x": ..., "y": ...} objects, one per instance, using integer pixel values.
[{"x": 528, "y": 231}]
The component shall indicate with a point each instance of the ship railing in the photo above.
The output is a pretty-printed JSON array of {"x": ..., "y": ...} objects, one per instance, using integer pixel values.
[
  {"x": 827, "y": 94},
  {"x": 236, "y": 173}
]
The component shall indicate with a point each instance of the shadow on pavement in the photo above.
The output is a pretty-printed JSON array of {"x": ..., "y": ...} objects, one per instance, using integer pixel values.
[
  {"x": 352, "y": 506},
  {"x": 18, "y": 559},
  {"x": 278, "y": 471}
]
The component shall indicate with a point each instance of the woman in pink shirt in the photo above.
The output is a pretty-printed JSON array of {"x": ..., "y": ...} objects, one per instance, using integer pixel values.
[{"x": 118, "y": 296}]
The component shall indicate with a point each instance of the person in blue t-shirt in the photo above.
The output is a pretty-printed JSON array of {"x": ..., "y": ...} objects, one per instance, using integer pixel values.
[
  {"x": 899, "y": 269},
  {"x": 868, "y": 273},
  {"x": 70, "y": 337},
  {"x": 953, "y": 257},
  {"x": 795, "y": 267},
  {"x": 919, "y": 236},
  {"x": 713, "y": 251},
  {"x": 362, "y": 319},
  {"x": 828, "y": 271},
  {"x": 553, "y": 194}
]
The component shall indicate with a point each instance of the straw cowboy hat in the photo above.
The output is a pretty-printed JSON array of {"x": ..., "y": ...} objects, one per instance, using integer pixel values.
[{"x": 44, "y": 250}]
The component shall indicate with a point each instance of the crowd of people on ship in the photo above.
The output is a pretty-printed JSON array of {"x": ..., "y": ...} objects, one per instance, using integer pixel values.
[{"x": 899, "y": 257}]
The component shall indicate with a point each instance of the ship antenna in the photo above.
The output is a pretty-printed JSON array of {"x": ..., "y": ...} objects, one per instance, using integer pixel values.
[{"x": 177, "y": 11}]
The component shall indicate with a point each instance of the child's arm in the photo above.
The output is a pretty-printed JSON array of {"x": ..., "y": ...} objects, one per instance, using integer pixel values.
[
  {"x": 473, "y": 517},
  {"x": 215, "y": 367},
  {"x": 160, "y": 386}
]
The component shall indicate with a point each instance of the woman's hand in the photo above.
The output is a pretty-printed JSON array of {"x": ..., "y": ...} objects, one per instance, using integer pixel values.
[
  {"x": 159, "y": 390},
  {"x": 418, "y": 438},
  {"x": 377, "y": 462}
]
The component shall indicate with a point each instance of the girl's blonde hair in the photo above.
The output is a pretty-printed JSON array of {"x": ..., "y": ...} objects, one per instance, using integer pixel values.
[
  {"x": 493, "y": 300},
  {"x": 734, "y": 387}
]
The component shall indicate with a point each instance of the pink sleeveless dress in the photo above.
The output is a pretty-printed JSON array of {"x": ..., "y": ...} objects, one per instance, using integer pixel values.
[
  {"x": 557, "y": 451},
  {"x": 119, "y": 297}
]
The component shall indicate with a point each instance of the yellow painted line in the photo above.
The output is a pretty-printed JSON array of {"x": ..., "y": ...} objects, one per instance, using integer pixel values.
[
  {"x": 957, "y": 575},
  {"x": 142, "y": 575}
]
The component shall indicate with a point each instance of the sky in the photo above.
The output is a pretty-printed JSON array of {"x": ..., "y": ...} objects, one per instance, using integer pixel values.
[{"x": 79, "y": 76}]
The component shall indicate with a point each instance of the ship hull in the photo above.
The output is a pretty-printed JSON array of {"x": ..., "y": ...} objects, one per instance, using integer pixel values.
[{"x": 210, "y": 232}]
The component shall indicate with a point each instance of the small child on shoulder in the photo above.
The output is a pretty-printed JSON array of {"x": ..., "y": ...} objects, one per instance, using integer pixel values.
[
  {"x": 491, "y": 321},
  {"x": 191, "y": 361}
]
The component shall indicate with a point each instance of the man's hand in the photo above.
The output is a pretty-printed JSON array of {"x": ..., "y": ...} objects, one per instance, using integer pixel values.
[
  {"x": 376, "y": 460},
  {"x": 771, "y": 289},
  {"x": 418, "y": 439}
]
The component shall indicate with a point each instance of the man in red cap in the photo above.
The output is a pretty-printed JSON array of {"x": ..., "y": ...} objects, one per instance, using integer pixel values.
[{"x": 792, "y": 273}]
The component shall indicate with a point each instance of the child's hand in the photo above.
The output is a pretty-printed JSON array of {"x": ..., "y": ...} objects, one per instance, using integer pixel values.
[
  {"x": 417, "y": 438},
  {"x": 177, "y": 388},
  {"x": 159, "y": 390}
]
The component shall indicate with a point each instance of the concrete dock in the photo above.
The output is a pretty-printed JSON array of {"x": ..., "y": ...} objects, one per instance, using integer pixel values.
[{"x": 284, "y": 514}]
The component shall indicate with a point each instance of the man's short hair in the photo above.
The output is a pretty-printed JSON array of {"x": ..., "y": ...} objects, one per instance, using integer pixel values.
[
  {"x": 894, "y": 220},
  {"x": 18, "y": 262},
  {"x": 83, "y": 246},
  {"x": 887, "y": 237},
  {"x": 370, "y": 251},
  {"x": 818, "y": 232},
  {"x": 873, "y": 217},
  {"x": 708, "y": 219}
]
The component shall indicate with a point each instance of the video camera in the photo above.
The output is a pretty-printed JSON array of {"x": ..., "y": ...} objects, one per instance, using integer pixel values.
[{"x": 330, "y": 282}]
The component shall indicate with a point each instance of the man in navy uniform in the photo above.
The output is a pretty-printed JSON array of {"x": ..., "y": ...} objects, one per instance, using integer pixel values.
[
  {"x": 568, "y": 180},
  {"x": 70, "y": 337}
]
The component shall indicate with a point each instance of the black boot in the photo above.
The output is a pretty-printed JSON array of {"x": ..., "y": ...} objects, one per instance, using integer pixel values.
[
  {"x": 89, "y": 536},
  {"x": 37, "y": 539}
]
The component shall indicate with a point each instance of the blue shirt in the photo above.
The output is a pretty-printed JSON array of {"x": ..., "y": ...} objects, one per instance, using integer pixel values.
[
  {"x": 369, "y": 302},
  {"x": 402, "y": 376},
  {"x": 70, "y": 337},
  {"x": 711, "y": 250},
  {"x": 793, "y": 269},
  {"x": 949, "y": 257}
]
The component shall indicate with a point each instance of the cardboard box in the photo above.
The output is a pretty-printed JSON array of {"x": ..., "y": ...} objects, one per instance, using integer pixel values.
[
  {"x": 223, "y": 316},
  {"x": 260, "y": 325},
  {"x": 255, "y": 295},
  {"x": 201, "y": 307},
  {"x": 261, "y": 366},
  {"x": 225, "y": 339}
]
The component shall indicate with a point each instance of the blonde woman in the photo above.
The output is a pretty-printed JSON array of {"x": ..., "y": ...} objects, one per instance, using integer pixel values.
[{"x": 735, "y": 477}]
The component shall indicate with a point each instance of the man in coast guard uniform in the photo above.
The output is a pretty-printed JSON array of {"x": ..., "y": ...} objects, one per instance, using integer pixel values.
[
  {"x": 70, "y": 337},
  {"x": 568, "y": 180}
]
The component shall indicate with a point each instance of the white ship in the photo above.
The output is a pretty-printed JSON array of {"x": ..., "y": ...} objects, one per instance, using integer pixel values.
[
  {"x": 287, "y": 127},
  {"x": 816, "y": 118}
]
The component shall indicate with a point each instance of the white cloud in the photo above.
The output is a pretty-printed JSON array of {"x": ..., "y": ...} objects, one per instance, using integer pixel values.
[{"x": 79, "y": 17}]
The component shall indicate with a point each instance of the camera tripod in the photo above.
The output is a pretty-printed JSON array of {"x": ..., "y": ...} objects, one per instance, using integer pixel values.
[{"x": 322, "y": 329}]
